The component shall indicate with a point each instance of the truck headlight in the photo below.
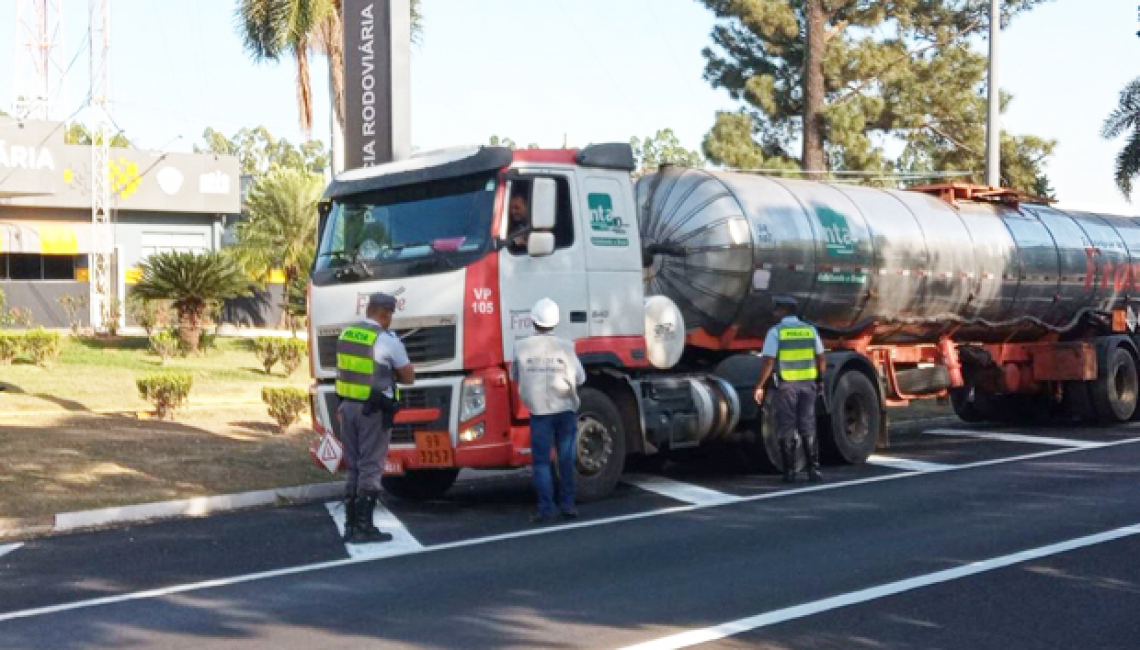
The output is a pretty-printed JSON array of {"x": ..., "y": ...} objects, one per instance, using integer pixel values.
[
  {"x": 472, "y": 434},
  {"x": 472, "y": 399}
]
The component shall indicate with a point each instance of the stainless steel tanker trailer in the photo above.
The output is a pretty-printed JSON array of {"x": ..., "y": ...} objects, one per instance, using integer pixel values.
[{"x": 1012, "y": 309}]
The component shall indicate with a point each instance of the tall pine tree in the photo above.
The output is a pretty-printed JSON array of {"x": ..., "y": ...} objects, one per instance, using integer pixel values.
[{"x": 839, "y": 79}]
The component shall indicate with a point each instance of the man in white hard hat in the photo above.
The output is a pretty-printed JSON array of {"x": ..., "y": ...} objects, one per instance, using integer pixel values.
[{"x": 548, "y": 374}]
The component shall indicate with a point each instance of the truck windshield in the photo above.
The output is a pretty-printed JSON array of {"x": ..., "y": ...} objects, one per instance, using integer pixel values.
[{"x": 411, "y": 230}]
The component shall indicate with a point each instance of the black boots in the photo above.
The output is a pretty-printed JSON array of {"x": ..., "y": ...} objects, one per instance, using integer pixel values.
[
  {"x": 811, "y": 452},
  {"x": 788, "y": 456},
  {"x": 358, "y": 526}
]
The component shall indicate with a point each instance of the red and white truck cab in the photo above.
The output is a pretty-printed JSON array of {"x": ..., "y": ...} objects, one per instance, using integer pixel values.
[{"x": 433, "y": 232}]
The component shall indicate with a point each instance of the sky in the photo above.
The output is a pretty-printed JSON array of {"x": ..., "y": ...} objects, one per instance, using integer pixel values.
[{"x": 555, "y": 71}]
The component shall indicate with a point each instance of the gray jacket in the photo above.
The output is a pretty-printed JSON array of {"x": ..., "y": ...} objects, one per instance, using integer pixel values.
[{"x": 548, "y": 373}]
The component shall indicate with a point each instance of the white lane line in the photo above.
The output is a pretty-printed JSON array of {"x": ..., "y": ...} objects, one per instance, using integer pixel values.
[
  {"x": 530, "y": 532},
  {"x": 402, "y": 541},
  {"x": 686, "y": 492},
  {"x": 906, "y": 464},
  {"x": 739, "y": 626},
  {"x": 1014, "y": 437},
  {"x": 8, "y": 548}
]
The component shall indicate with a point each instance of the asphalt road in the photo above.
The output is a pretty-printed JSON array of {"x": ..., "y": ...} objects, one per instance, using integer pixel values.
[{"x": 950, "y": 540}]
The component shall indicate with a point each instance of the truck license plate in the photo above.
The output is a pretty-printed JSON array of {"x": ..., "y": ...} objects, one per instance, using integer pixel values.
[{"x": 433, "y": 449}]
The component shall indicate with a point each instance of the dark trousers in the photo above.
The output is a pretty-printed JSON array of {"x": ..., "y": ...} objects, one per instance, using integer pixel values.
[
  {"x": 795, "y": 411},
  {"x": 558, "y": 431},
  {"x": 365, "y": 447}
]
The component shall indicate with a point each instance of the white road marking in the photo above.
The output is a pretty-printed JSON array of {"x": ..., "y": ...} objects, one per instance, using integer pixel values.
[
  {"x": 906, "y": 464},
  {"x": 1014, "y": 437},
  {"x": 739, "y": 626},
  {"x": 530, "y": 532},
  {"x": 402, "y": 541},
  {"x": 686, "y": 492},
  {"x": 8, "y": 548}
]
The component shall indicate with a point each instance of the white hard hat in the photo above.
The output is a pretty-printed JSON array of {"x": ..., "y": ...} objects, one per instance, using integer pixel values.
[{"x": 545, "y": 313}]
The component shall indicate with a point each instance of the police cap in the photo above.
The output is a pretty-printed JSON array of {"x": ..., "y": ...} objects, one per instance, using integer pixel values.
[
  {"x": 785, "y": 302},
  {"x": 382, "y": 300}
]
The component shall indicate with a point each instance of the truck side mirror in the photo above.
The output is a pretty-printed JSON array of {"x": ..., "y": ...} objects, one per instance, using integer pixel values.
[
  {"x": 543, "y": 204},
  {"x": 540, "y": 244}
]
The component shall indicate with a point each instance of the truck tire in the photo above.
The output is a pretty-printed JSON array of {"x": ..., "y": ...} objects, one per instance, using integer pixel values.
[
  {"x": 420, "y": 484},
  {"x": 967, "y": 409},
  {"x": 855, "y": 418},
  {"x": 601, "y": 446},
  {"x": 760, "y": 448},
  {"x": 1114, "y": 392}
]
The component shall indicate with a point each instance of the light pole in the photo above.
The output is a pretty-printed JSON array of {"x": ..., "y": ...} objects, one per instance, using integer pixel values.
[{"x": 993, "y": 127}]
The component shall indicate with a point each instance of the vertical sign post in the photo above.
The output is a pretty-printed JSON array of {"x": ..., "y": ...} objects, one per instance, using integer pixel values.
[{"x": 377, "y": 62}]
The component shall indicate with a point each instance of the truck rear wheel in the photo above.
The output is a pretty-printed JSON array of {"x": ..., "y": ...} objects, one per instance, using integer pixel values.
[
  {"x": 420, "y": 484},
  {"x": 760, "y": 449},
  {"x": 601, "y": 446},
  {"x": 1115, "y": 390},
  {"x": 855, "y": 419}
]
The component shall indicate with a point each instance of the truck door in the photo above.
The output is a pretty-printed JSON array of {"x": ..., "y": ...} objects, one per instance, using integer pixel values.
[
  {"x": 613, "y": 256},
  {"x": 560, "y": 276}
]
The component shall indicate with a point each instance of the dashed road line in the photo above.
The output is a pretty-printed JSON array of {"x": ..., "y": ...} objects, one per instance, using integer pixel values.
[
  {"x": 402, "y": 541},
  {"x": 519, "y": 534},
  {"x": 8, "y": 548},
  {"x": 907, "y": 464},
  {"x": 685, "y": 492},
  {"x": 742, "y": 625},
  {"x": 1016, "y": 437}
]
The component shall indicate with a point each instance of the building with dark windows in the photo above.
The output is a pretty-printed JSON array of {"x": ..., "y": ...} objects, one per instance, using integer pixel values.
[{"x": 159, "y": 202}]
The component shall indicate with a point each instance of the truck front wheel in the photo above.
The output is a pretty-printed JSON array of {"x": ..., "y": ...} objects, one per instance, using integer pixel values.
[
  {"x": 601, "y": 446},
  {"x": 420, "y": 485}
]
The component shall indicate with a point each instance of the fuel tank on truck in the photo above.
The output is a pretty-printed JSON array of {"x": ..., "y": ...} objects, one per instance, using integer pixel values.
[{"x": 901, "y": 266}]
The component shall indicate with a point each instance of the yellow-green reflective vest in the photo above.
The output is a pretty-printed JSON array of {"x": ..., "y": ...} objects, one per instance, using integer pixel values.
[
  {"x": 357, "y": 373},
  {"x": 796, "y": 358}
]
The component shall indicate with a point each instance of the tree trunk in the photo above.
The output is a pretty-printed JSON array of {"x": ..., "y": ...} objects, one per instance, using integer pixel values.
[
  {"x": 813, "y": 159},
  {"x": 190, "y": 327}
]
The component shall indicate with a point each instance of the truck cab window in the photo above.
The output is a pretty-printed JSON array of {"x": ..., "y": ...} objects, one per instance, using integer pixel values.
[{"x": 518, "y": 215}]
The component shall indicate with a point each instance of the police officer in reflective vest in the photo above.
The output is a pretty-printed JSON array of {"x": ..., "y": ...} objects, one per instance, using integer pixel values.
[
  {"x": 793, "y": 348},
  {"x": 369, "y": 359}
]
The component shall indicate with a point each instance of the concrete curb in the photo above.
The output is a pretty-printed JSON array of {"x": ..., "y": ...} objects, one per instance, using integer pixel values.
[{"x": 195, "y": 507}]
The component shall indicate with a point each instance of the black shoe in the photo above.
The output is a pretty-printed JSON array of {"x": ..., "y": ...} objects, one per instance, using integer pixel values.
[
  {"x": 542, "y": 520},
  {"x": 813, "y": 475},
  {"x": 364, "y": 531},
  {"x": 788, "y": 457},
  {"x": 571, "y": 514},
  {"x": 811, "y": 451},
  {"x": 349, "y": 518}
]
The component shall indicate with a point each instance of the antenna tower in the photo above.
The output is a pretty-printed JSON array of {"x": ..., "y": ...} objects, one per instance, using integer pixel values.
[
  {"x": 39, "y": 72},
  {"x": 102, "y": 236}
]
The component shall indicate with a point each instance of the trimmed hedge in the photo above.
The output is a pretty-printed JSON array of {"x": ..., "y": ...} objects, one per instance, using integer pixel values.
[
  {"x": 164, "y": 344},
  {"x": 167, "y": 391},
  {"x": 290, "y": 353},
  {"x": 11, "y": 345},
  {"x": 286, "y": 404},
  {"x": 43, "y": 346}
]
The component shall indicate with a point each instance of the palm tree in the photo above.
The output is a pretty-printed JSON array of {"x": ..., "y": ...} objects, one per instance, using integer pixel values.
[
  {"x": 1126, "y": 118},
  {"x": 281, "y": 227},
  {"x": 192, "y": 282},
  {"x": 273, "y": 28}
]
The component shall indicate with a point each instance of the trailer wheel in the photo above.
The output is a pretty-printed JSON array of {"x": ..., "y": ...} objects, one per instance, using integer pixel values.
[
  {"x": 601, "y": 446},
  {"x": 965, "y": 407},
  {"x": 1115, "y": 390},
  {"x": 855, "y": 418},
  {"x": 420, "y": 484}
]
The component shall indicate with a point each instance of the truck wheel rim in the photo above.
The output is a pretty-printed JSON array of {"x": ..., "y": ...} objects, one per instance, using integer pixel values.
[
  {"x": 1124, "y": 384},
  {"x": 856, "y": 420},
  {"x": 595, "y": 445}
]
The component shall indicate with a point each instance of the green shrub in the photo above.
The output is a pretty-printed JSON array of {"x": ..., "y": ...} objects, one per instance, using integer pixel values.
[
  {"x": 167, "y": 391},
  {"x": 286, "y": 404},
  {"x": 164, "y": 345},
  {"x": 151, "y": 315},
  {"x": 269, "y": 351},
  {"x": 43, "y": 346},
  {"x": 292, "y": 353},
  {"x": 11, "y": 344}
]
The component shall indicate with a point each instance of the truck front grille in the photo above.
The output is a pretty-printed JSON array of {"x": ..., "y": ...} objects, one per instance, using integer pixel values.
[
  {"x": 431, "y": 397},
  {"x": 424, "y": 345}
]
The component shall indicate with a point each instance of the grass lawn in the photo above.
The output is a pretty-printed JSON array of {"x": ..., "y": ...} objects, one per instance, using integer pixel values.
[{"x": 97, "y": 374}]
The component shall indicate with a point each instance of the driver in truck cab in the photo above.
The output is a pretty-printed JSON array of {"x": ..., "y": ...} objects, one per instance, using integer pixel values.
[{"x": 518, "y": 211}]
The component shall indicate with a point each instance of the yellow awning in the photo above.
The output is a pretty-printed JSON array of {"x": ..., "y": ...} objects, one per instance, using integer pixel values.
[{"x": 45, "y": 237}]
